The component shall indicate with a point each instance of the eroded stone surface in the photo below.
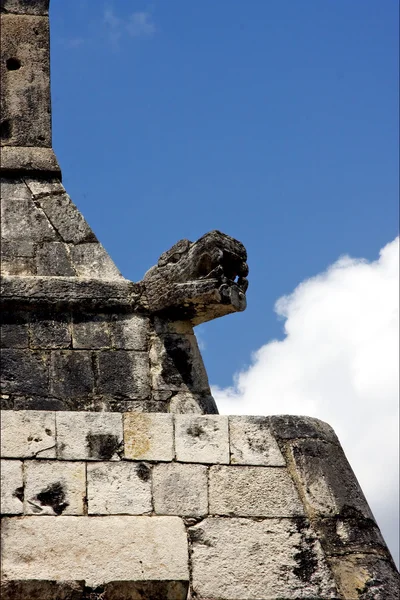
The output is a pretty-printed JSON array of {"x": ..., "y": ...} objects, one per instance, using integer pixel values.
[
  {"x": 12, "y": 489},
  {"x": 148, "y": 437},
  {"x": 89, "y": 436},
  {"x": 237, "y": 559},
  {"x": 180, "y": 489},
  {"x": 28, "y": 434},
  {"x": 54, "y": 488},
  {"x": 253, "y": 492},
  {"x": 119, "y": 488},
  {"x": 251, "y": 442},
  {"x": 95, "y": 549},
  {"x": 202, "y": 439}
]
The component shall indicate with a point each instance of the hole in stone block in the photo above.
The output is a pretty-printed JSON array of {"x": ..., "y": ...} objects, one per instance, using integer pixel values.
[
  {"x": 5, "y": 129},
  {"x": 13, "y": 64}
]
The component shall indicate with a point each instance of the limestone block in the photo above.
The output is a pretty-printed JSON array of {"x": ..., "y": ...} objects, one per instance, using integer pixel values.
[
  {"x": 54, "y": 488},
  {"x": 180, "y": 489},
  {"x": 29, "y": 159},
  {"x": 63, "y": 215},
  {"x": 148, "y": 436},
  {"x": 50, "y": 331},
  {"x": 36, "y": 589},
  {"x": 201, "y": 439},
  {"x": 20, "y": 249},
  {"x": 14, "y": 189},
  {"x": 253, "y": 492},
  {"x": 12, "y": 489},
  {"x": 27, "y": 434},
  {"x": 71, "y": 373},
  {"x": 176, "y": 364},
  {"x": 22, "y": 7},
  {"x": 40, "y": 188},
  {"x": 25, "y": 76},
  {"x": 91, "y": 260},
  {"x": 366, "y": 577},
  {"x": 288, "y": 427},
  {"x": 18, "y": 265},
  {"x": 328, "y": 483},
  {"x": 89, "y": 436},
  {"x": 252, "y": 443},
  {"x": 21, "y": 220},
  {"x": 24, "y": 372},
  {"x": 97, "y": 550},
  {"x": 130, "y": 332},
  {"x": 237, "y": 559},
  {"x": 53, "y": 260},
  {"x": 90, "y": 331},
  {"x": 14, "y": 335},
  {"x": 119, "y": 488},
  {"x": 193, "y": 403},
  {"x": 124, "y": 373}
]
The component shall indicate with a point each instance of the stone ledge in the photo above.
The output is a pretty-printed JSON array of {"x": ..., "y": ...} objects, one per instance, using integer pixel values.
[
  {"x": 28, "y": 160},
  {"x": 92, "y": 293},
  {"x": 22, "y": 7}
]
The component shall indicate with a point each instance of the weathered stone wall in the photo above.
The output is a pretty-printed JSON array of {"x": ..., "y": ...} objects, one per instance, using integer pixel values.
[{"x": 231, "y": 508}]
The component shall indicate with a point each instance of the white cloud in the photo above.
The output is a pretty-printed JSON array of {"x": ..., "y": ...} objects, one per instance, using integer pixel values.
[
  {"x": 338, "y": 362},
  {"x": 140, "y": 24}
]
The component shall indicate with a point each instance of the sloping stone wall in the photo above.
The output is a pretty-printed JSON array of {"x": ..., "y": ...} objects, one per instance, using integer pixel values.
[{"x": 225, "y": 507}]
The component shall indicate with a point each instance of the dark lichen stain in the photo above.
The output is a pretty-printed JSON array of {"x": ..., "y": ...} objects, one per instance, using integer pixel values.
[
  {"x": 181, "y": 362},
  {"x": 48, "y": 431},
  {"x": 307, "y": 564},
  {"x": 195, "y": 430},
  {"x": 19, "y": 493},
  {"x": 197, "y": 536},
  {"x": 102, "y": 445},
  {"x": 53, "y": 496},
  {"x": 143, "y": 472}
]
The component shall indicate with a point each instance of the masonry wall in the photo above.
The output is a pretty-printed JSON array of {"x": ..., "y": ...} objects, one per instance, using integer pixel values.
[{"x": 222, "y": 508}]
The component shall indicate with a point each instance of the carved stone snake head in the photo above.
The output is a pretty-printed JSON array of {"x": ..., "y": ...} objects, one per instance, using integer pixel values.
[{"x": 199, "y": 281}]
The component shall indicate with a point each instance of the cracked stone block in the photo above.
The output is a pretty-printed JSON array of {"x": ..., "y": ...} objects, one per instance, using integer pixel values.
[
  {"x": 54, "y": 488},
  {"x": 252, "y": 443},
  {"x": 202, "y": 439},
  {"x": 124, "y": 373},
  {"x": 22, "y": 220},
  {"x": 119, "y": 488},
  {"x": 235, "y": 558},
  {"x": 89, "y": 436},
  {"x": 180, "y": 489},
  {"x": 253, "y": 492},
  {"x": 91, "y": 260},
  {"x": 326, "y": 478},
  {"x": 130, "y": 332},
  {"x": 27, "y": 434},
  {"x": 24, "y": 372},
  {"x": 12, "y": 487},
  {"x": 90, "y": 331},
  {"x": 53, "y": 260},
  {"x": 40, "y": 188},
  {"x": 67, "y": 219},
  {"x": 71, "y": 374},
  {"x": 176, "y": 364},
  {"x": 95, "y": 549},
  {"x": 148, "y": 436},
  {"x": 50, "y": 331}
]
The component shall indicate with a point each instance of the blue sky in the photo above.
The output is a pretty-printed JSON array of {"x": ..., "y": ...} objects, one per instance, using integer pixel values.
[{"x": 275, "y": 121}]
